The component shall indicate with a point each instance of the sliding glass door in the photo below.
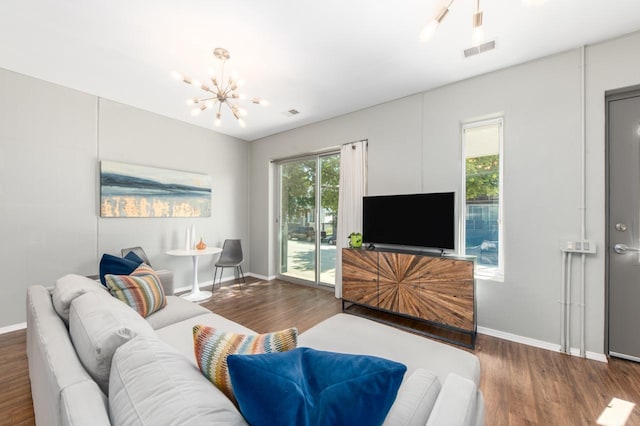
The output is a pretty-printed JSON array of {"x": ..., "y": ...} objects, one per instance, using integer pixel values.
[{"x": 308, "y": 217}]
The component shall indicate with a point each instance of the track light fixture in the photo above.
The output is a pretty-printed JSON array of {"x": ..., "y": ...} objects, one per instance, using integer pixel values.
[
  {"x": 427, "y": 32},
  {"x": 477, "y": 35},
  {"x": 223, "y": 92}
]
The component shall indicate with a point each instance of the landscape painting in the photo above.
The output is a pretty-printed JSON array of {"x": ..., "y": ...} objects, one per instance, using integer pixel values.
[{"x": 128, "y": 190}]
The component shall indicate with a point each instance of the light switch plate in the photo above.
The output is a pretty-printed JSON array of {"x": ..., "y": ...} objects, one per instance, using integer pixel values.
[{"x": 578, "y": 246}]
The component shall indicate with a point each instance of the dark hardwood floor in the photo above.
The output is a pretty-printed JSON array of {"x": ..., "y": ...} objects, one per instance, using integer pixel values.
[{"x": 522, "y": 385}]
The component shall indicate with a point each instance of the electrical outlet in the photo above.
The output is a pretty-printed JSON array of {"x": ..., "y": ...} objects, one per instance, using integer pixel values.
[{"x": 578, "y": 246}]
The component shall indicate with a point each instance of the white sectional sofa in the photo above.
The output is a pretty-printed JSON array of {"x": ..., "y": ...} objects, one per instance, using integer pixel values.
[{"x": 151, "y": 375}]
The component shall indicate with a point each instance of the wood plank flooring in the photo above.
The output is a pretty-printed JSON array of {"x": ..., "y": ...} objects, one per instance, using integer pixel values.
[
  {"x": 522, "y": 385},
  {"x": 16, "y": 407}
]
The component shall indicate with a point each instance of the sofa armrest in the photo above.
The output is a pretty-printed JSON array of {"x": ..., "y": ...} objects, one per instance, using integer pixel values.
[
  {"x": 415, "y": 400},
  {"x": 84, "y": 404},
  {"x": 457, "y": 404},
  {"x": 166, "y": 278}
]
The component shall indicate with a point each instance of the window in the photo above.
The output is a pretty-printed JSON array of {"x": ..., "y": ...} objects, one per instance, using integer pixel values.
[{"x": 482, "y": 226}]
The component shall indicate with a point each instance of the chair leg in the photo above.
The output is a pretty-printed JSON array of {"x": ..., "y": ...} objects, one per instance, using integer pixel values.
[
  {"x": 221, "y": 274},
  {"x": 215, "y": 272},
  {"x": 242, "y": 273}
]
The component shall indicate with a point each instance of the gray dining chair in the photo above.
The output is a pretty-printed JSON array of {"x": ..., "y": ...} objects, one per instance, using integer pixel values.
[
  {"x": 138, "y": 251},
  {"x": 231, "y": 257}
]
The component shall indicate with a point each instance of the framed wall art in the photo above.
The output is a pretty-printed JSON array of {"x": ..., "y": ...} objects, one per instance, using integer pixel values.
[{"x": 129, "y": 190}]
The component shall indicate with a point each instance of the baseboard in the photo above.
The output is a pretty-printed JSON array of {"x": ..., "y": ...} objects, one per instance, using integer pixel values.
[
  {"x": 590, "y": 355},
  {"x": 201, "y": 285},
  {"x": 539, "y": 343},
  {"x": 260, "y": 277},
  {"x": 14, "y": 327},
  {"x": 209, "y": 283}
]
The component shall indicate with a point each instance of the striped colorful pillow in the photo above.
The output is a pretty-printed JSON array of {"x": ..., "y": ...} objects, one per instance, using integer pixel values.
[
  {"x": 141, "y": 290},
  {"x": 212, "y": 347}
]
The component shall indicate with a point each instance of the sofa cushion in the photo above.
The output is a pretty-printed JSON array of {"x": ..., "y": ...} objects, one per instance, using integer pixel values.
[
  {"x": 352, "y": 334},
  {"x": 213, "y": 346},
  {"x": 68, "y": 288},
  {"x": 176, "y": 310},
  {"x": 180, "y": 335},
  {"x": 153, "y": 384},
  {"x": 115, "y": 265},
  {"x": 141, "y": 290},
  {"x": 415, "y": 400},
  {"x": 98, "y": 326},
  {"x": 309, "y": 387}
]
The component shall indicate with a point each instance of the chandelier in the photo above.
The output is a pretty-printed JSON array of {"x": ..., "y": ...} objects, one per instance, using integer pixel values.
[
  {"x": 477, "y": 34},
  {"x": 221, "y": 92}
]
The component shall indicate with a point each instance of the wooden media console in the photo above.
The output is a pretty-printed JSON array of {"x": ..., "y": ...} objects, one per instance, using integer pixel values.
[{"x": 439, "y": 291}]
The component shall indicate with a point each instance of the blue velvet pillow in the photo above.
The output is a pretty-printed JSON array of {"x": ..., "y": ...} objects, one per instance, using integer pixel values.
[
  {"x": 309, "y": 387},
  {"x": 116, "y": 266},
  {"x": 134, "y": 257}
]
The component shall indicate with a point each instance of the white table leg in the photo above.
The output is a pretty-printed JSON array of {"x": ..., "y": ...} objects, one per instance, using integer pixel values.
[{"x": 196, "y": 294}]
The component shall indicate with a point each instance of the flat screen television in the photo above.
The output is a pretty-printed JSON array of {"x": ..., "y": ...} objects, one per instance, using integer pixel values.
[{"x": 418, "y": 220}]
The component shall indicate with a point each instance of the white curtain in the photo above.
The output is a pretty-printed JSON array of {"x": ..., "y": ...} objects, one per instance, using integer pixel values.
[{"x": 353, "y": 186}]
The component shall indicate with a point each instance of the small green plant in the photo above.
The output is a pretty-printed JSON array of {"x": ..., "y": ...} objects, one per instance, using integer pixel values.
[{"x": 355, "y": 240}]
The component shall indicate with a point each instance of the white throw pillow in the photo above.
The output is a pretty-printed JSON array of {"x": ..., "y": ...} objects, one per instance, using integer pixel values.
[
  {"x": 415, "y": 400},
  {"x": 98, "y": 325},
  {"x": 151, "y": 384},
  {"x": 68, "y": 288}
]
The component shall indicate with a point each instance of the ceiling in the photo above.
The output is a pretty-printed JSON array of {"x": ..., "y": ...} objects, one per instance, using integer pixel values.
[{"x": 323, "y": 59}]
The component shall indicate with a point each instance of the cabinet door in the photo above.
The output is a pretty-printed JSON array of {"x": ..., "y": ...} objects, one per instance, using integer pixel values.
[
  {"x": 360, "y": 276},
  {"x": 399, "y": 283},
  {"x": 447, "y": 288}
]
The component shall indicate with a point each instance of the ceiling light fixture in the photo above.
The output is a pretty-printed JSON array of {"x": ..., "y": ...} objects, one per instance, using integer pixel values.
[
  {"x": 477, "y": 35},
  {"x": 223, "y": 92},
  {"x": 427, "y": 32}
]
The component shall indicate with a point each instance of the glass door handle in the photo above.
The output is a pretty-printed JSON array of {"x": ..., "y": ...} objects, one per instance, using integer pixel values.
[{"x": 623, "y": 248}]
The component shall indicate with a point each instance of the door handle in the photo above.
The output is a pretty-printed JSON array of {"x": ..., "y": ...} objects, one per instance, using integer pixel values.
[{"x": 623, "y": 248}]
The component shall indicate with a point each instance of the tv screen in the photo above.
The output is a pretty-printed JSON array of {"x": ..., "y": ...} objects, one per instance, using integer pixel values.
[{"x": 420, "y": 220}]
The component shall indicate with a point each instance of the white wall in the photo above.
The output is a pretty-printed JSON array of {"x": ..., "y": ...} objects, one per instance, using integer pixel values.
[
  {"x": 131, "y": 135},
  {"x": 47, "y": 205},
  {"x": 391, "y": 128},
  {"x": 414, "y": 145},
  {"x": 51, "y": 141},
  {"x": 541, "y": 181}
]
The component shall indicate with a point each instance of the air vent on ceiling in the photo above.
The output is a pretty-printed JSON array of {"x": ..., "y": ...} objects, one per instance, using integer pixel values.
[
  {"x": 291, "y": 112},
  {"x": 490, "y": 45}
]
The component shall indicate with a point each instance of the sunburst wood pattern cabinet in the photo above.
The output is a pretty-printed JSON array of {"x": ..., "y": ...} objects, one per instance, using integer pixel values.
[{"x": 438, "y": 290}]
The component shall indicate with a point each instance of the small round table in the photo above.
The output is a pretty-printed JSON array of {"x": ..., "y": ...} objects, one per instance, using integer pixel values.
[{"x": 196, "y": 294}]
